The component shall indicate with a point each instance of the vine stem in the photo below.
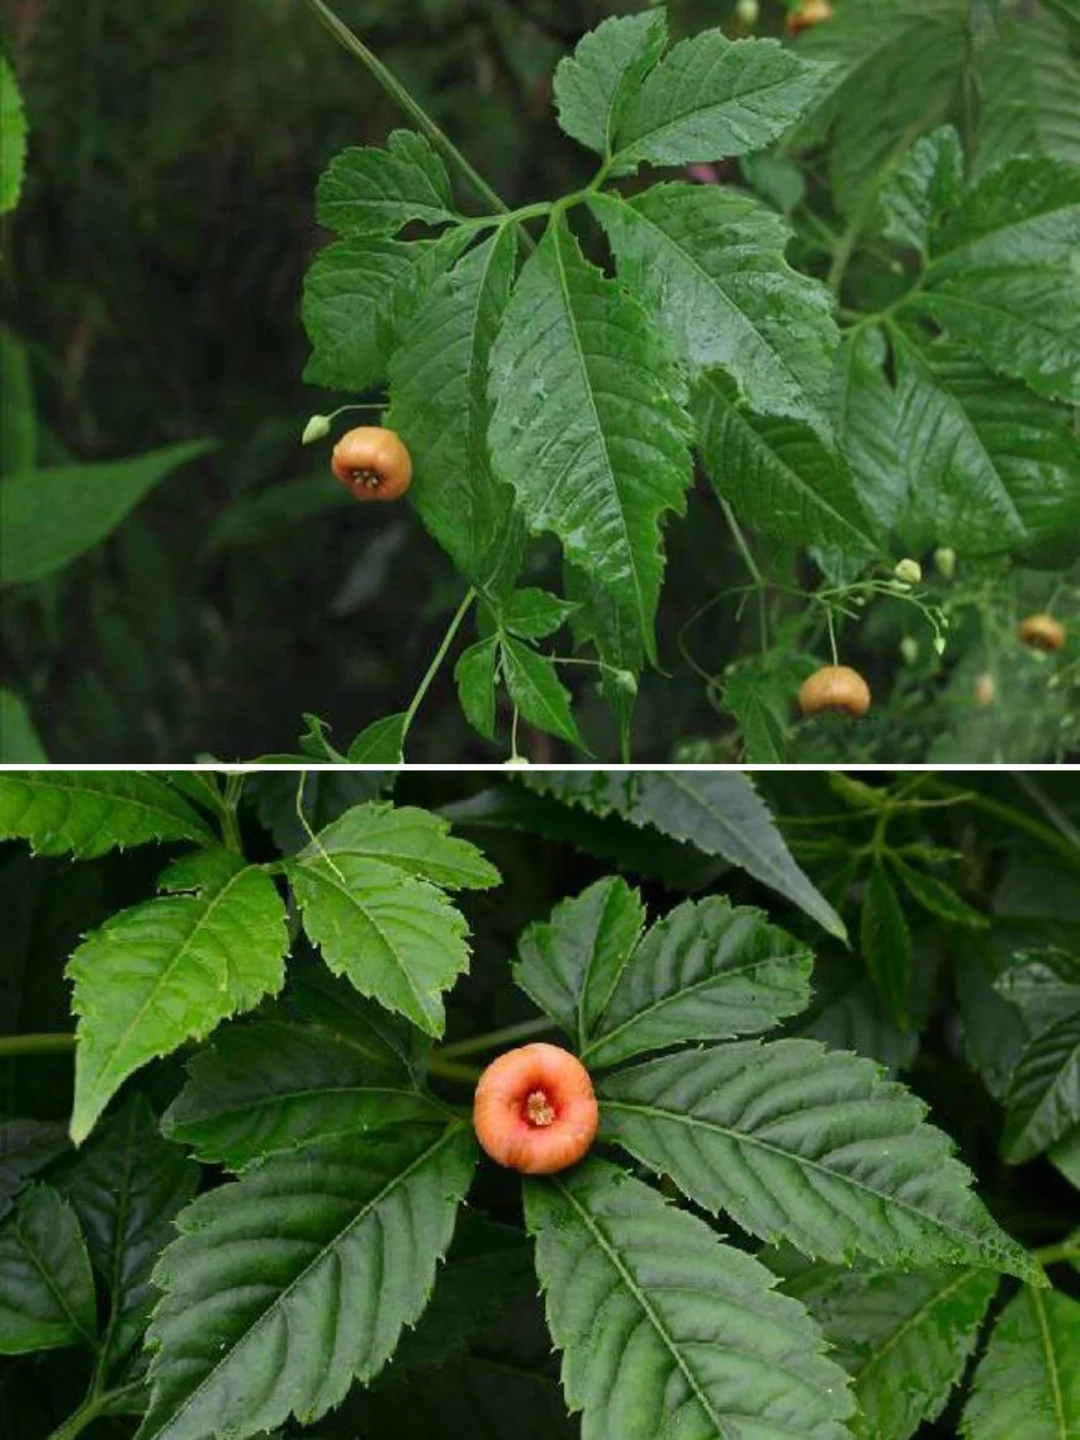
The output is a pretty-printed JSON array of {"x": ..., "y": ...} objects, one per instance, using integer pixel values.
[
  {"x": 492, "y": 1039},
  {"x": 439, "y": 657},
  {"x": 400, "y": 95},
  {"x": 56, "y": 1044}
]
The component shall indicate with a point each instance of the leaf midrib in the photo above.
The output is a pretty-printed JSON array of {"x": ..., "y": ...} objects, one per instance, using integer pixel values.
[
  {"x": 1050, "y": 1354},
  {"x": 34, "y": 782}
]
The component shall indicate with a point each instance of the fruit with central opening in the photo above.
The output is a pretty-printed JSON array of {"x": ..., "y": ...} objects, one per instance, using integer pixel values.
[
  {"x": 835, "y": 687},
  {"x": 1042, "y": 632},
  {"x": 535, "y": 1110},
  {"x": 372, "y": 463}
]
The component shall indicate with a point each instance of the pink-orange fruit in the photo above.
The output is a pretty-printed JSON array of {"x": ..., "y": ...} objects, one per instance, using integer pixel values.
[{"x": 535, "y": 1110}]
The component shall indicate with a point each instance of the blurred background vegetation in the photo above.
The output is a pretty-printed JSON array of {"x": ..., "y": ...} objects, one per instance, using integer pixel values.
[{"x": 150, "y": 287}]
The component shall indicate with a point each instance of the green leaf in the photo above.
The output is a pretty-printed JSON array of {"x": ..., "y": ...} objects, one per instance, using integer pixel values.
[
  {"x": 748, "y": 696},
  {"x": 534, "y": 614},
  {"x": 709, "y": 262},
  {"x": 268, "y": 1087},
  {"x": 1043, "y": 1101},
  {"x": 12, "y": 138},
  {"x": 46, "y": 1287},
  {"x": 807, "y": 1145},
  {"x": 778, "y": 475},
  {"x": 26, "y": 1146},
  {"x": 847, "y": 1014},
  {"x": 170, "y": 969},
  {"x": 865, "y": 413},
  {"x": 939, "y": 899},
  {"x": 537, "y": 691},
  {"x": 589, "y": 424},
  {"x": 886, "y": 942},
  {"x": 1002, "y": 276},
  {"x": 991, "y": 468},
  {"x": 397, "y": 937},
  {"x": 127, "y": 1187},
  {"x": 1027, "y": 86},
  {"x": 594, "y": 85},
  {"x": 904, "y": 1339},
  {"x": 414, "y": 841},
  {"x": 87, "y": 813},
  {"x": 439, "y": 377},
  {"x": 718, "y": 812},
  {"x": 475, "y": 676},
  {"x": 1029, "y": 1383},
  {"x": 1044, "y": 984},
  {"x": 711, "y": 98},
  {"x": 19, "y": 742},
  {"x": 387, "y": 1043},
  {"x": 706, "y": 971},
  {"x": 344, "y": 1237},
  {"x": 48, "y": 518},
  {"x": 369, "y": 191},
  {"x": 895, "y": 71},
  {"x": 667, "y": 1330},
  {"x": 381, "y": 743},
  {"x": 924, "y": 187},
  {"x": 353, "y": 292}
]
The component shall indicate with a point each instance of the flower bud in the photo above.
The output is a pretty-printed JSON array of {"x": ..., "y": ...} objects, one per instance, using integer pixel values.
[
  {"x": 908, "y": 571},
  {"x": 747, "y": 11},
  {"x": 317, "y": 428},
  {"x": 945, "y": 561},
  {"x": 909, "y": 649},
  {"x": 939, "y": 644}
]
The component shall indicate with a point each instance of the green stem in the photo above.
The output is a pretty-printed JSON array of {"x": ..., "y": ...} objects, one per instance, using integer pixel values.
[
  {"x": 58, "y": 1044},
  {"x": 451, "y": 1070},
  {"x": 93, "y": 1406},
  {"x": 230, "y": 826},
  {"x": 1054, "y": 1254},
  {"x": 433, "y": 668},
  {"x": 398, "y": 93},
  {"x": 494, "y": 1039},
  {"x": 1012, "y": 816}
]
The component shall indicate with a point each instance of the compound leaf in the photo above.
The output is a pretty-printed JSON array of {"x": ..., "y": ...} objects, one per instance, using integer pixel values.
[
  {"x": 289, "y": 1285},
  {"x": 594, "y": 85},
  {"x": 664, "y": 1328},
  {"x": 170, "y": 970},
  {"x": 87, "y": 813},
  {"x": 368, "y": 190},
  {"x": 811, "y": 1146}
]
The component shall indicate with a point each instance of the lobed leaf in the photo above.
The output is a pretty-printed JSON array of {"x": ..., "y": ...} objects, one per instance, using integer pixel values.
[
  {"x": 1028, "y": 1382},
  {"x": 87, "y": 813},
  {"x": 46, "y": 1287},
  {"x": 807, "y": 1145},
  {"x": 293, "y": 1283},
  {"x": 667, "y": 1330},
  {"x": 589, "y": 424},
  {"x": 170, "y": 970},
  {"x": 262, "y": 1088}
]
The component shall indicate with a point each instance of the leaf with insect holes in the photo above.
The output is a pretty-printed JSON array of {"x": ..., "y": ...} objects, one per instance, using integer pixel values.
[
  {"x": 87, "y": 813},
  {"x": 705, "y": 971},
  {"x": 589, "y": 424},
  {"x": 258, "y": 1089},
  {"x": 709, "y": 263},
  {"x": 46, "y": 1285},
  {"x": 1028, "y": 1382},
  {"x": 594, "y": 85},
  {"x": 127, "y": 1187},
  {"x": 366, "y": 190},
  {"x": 903, "y": 1337},
  {"x": 807, "y": 1145},
  {"x": 440, "y": 406},
  {"x": 711, "y": 98},
  {"x": 665, "y": 1329},
  {"x": 344, "y": 1237},
  {"x": 170, "y": 970},
  {"x": 396, "y": 936}
]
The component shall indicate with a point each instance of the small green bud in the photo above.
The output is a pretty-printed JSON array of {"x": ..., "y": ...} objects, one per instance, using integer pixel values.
[
  {"x": 939, "y": 644},
  {"x": 624, "y": 680},
  {"x": 909, "y": 571},
  {"x": 909, "y": 649},
  {"x": 747, "y": 11},
  {"x": 516, "y": 760},
  {"x": 317, "y": 428},
  {"x": 945, "y": 560}
]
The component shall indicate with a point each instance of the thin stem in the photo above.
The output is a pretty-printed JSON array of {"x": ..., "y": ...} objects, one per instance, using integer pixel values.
[
  {"x": 94, "y": 1405},
  {"x": 1054, "y": 1254},
  {"x": 400, "y": 95},
  {"x": 740, "y": 541},
  {"x": 514, "y": 735},
  {"x": 230, "y": 826},
  {"x": 440, "y": 656},
  {"x": 1013, "y": 816},
  {"x": 451, "y": 1070},
  {"x": 58, "y": 1044},
  {"x": 493, "y": 1039}
]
